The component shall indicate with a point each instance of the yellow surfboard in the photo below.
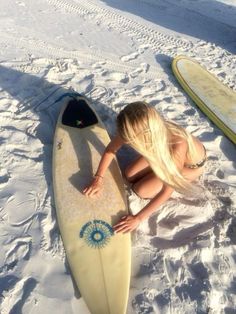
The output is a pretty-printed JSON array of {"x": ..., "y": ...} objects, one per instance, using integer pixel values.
[
  {"x": 215, "y": 99},
  {"x": 100, "y": 260}
]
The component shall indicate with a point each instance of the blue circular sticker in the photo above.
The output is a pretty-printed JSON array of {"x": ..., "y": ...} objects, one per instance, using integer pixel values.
[{"x": 96, "y": 233}]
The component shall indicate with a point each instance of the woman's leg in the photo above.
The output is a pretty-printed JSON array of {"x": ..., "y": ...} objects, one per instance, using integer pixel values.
[
  {"x": 137, "y": 170},
  {"x": 148, "y": 186},
  {"x": 145, "y": 183}
]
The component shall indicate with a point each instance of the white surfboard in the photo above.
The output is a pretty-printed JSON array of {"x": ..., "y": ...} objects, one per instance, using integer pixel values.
[{"x": 100, "y": 260}]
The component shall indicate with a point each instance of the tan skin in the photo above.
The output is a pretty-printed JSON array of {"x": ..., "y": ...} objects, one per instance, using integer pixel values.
[{"x": 145, "y": 183}]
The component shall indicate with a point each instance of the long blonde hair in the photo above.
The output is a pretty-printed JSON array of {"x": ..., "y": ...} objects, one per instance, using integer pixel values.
[{"x": 141, "y": 127}]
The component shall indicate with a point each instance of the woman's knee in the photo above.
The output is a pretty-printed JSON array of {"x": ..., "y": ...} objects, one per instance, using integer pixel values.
[
  {"x": 137, "y": 169},
  {"x": 147, "y": 190},
  {"x": 129, "y": 173},
  {"x": 133, "y": 173}
]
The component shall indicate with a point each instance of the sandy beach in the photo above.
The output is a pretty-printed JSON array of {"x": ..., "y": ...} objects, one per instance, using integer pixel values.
[{"x": 114, "y": 52}]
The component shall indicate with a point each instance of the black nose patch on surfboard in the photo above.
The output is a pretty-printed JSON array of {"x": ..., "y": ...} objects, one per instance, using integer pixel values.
[{"x": 78, "y": 114}]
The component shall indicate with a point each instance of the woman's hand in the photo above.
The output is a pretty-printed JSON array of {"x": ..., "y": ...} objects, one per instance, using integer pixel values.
[
  {"x": 127, "y": 224},
  {"x": 94, "y": 188}
]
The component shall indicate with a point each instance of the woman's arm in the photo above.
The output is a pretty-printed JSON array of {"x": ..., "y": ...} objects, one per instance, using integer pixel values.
[
  {"x": 130, "y": 222},
  {"x": 155, "y": 203},
  {"x": 107, "y": 157}
]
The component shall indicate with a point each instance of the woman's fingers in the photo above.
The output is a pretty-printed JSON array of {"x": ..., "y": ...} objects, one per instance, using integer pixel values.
[
  {"x": 126, "y": 224},
  {"x": 87, "y": 190},
  {"x": 93, "y": 189},
  {"x": 90, "y": 191},
  {"x": 123, "y": 229},
  {"x": 94, "y": 193},
  {"x": 122, "y": 225}
]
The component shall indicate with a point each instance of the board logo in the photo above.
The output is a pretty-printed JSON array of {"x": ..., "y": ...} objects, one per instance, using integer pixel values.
[
  {"x": 96, "y": 233},
  {"x": 79, "y": 122}
]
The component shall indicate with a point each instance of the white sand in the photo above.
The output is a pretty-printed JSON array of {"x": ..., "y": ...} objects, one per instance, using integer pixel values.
[{"x": 114, "y": 52}]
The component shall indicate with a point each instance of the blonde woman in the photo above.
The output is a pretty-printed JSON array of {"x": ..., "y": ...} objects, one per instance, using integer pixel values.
[{"x": 170, "y": 159}]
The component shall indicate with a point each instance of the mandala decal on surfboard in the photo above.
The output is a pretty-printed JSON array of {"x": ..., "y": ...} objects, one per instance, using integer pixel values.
[{"x": 96, "y": 233}]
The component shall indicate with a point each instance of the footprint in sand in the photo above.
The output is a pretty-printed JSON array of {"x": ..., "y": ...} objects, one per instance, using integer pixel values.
[
  {"x": 4, "y": 177},
  {"x": 116, "y": 76},
  {"x": 15, "y": 298},
  {"x": 100, "y": 93},
  {"x": 130, "y": 57},
  {"x": 220, "y": 174},
  {"x": 20, "y": 3},
  {"x": 19, "y": 249},
  {"x": 190, "y": 112},
  {"x": 22, "y": 204},
  {"x": 231, "y": 232}
]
